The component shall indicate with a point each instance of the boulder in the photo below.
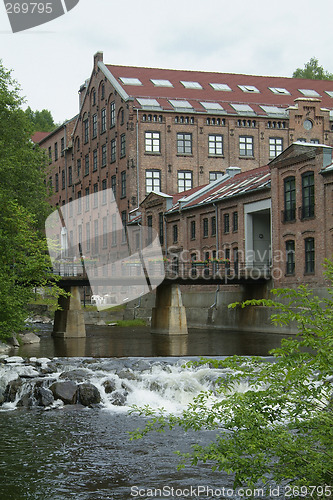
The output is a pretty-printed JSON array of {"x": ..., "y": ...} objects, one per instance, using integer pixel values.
[
  {"x": 66, "y": 391},
  {"x": 78, "y": 375},
  {"x": 43, "y": 396},
  {"x": 11, "y": 390},
  {"x": 88, "y": 394},
  {"x": 109, "y": 386},
  {"x": 29, "y": 338},
  {"x": 118, "y": 398}
]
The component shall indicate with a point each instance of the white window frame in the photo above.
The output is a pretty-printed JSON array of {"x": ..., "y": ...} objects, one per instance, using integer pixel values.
[
  {"x": 184, "y": 180},
  {"x": 246, "y": 144},
  {"x": 275, "y": 146},
  {"x": 184, "y": 143},
  {"x": 153, "y": 180},
  {"x": 215, "y": 145},
  {"x": 152, "y": 142}
]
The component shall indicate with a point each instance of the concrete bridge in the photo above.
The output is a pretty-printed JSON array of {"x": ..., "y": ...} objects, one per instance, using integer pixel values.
[{"x": 168, "y": 315}]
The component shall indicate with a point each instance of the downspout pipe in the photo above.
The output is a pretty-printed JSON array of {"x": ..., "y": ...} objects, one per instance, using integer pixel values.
[{"x": 217, "y": 254}]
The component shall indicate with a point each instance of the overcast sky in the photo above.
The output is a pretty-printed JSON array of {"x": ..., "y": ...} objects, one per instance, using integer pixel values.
[{"x": 253, "y": 37}]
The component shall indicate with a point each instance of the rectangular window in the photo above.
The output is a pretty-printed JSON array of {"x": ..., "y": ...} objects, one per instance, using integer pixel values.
[
  {"x": 104, "y": 155},
  {"x": 226, "y": 223},
  {"x": 95, "y": 198},
  {"x": 50, "y": 154},
  {"x": 185, "y": 180},
  {"x": 161, "y": 227},
  {"x": 290, "y": 257},
  {"x": 150, "y": 229},
  {"x": 86, "y": 130},
  {"x": 124, "y": 226},
  {"x": 94, "y": 125},
  {"x": 88, "y": 237},
  {"x": 62, "y": 146},
  {"x": 95, "y": 160},
  {"x": 213, "y": 225},
  {"x": 123, "y": 184},
  {"x": 87, "y": 198},
  {"x": 103, "y": 120},
  {"x": 275, "y": 146},
  {"x": 308, "y": 201},
  {"x": 104, "y": 188},
  {"x": 113, "y": 150},
  {"x": 70, "y": 176},
  {"x": 105, "y": 232},
  {"x": 86, "y": 165},
  {"x": 235, "y": 222},
  {"x": 309, "y": 255},
  {"x": 184, "y": 143},
  {"x": 56, "y": 183},
  {"x": 214, "y": 175},
  {"x": 205, "y": 228},
  {"x": 96, "y": 237},
  {"x": 79, "y": 229},
  {"x": 55, "y": 151},
  {"x": 78, "y": 167},
  {"x": 215, "y": 145},
  {"x": 114, "y": 230},
  {"x": 79, "y": 202},
  {"x": 152, "y": 142},
  {"x": 175, "y": 233},
  {"x": 63, "y": 179},
  {"x": 245, "y": 145},
  {"x": 193, "y": 230},
  {"x": 112, "y": 114},
  {"x": 153, "y": 181},
  {"x": 122, "y": 145},
  {"x": 289, "y": 199},
  {"x": 114, "y": 184}
]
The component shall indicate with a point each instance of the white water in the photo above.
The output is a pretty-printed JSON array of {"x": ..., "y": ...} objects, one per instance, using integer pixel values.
[{"x": 167, "y": 384}]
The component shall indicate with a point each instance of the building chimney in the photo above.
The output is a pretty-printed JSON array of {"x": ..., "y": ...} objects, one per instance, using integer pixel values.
[{"x": 231, "y": 171}]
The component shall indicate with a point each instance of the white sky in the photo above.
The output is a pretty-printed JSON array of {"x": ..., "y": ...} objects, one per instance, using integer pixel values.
[{"x": 258, "y": 37}]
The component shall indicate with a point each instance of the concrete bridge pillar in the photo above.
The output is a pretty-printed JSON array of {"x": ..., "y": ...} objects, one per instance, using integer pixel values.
[
  {"x": 69, "y": 319},
  {"x": 169, "y": 315}
]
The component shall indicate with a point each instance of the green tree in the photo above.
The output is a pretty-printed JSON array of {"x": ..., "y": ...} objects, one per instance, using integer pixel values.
[
  {"x": 279, "y": 430},
  {"x": 24, "y": 261},
  {"x": 313, "y": 71},
  {"x": 41, "y": 121}
]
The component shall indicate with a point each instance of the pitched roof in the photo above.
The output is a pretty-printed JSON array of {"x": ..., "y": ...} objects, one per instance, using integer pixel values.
[
  {"x": 196, "y": 87},
  {"x": 240, "y": 184},
  {"x": 39, "y": 136}
]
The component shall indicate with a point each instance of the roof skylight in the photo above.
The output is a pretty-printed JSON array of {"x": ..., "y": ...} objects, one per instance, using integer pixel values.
[
  {"x": 148, "y": 103},
  {"x": 279, "y": 90},
  {"x": 212, "y": 106},
  {"x": 309, "y": 92},
  {"x": 161, "y": 83},
  {"x": 130, "y": 81},
  {"x": 273, "y": 110},
  {"x": 242, "y": 108},
  {"x": 220, "y": 86},
  {"x": 191, "y": 85},
  {"x": 249, "y": 88},
  {"x": 180, "y": 104}
]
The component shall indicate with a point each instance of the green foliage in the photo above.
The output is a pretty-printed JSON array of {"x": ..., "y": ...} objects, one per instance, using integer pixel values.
[
  {"x": 274, "y": 420},
  {"x": 24, "y": 260},
  {"x": 313, "y": 71},
  {"x": 41, "y": 121}
]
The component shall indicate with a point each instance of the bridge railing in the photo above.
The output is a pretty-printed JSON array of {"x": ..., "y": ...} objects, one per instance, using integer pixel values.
[{"x": 172, "y": 270}]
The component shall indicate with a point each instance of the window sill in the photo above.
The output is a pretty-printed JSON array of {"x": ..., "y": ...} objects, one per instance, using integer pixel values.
[
  {"x": 153, "y": 153},
  {"x": 246, "y": 157},
  {"x": 216, "y": 156},
  {"x": 185, "y": 154}
]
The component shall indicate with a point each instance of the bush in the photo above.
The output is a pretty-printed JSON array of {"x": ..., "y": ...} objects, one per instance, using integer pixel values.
[{"x": 279, "y": 430}]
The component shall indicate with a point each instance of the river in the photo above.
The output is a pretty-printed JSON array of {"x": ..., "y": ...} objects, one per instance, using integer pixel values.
[{"x": 60, "y": 452}]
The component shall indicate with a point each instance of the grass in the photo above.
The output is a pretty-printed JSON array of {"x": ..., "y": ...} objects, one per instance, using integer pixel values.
[{"x": 131, "y": 322}]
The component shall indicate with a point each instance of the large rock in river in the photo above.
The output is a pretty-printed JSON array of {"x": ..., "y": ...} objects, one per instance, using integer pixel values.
[
  {"x": 88, "y": 394},
  {"x": 66, "y": 391}
]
